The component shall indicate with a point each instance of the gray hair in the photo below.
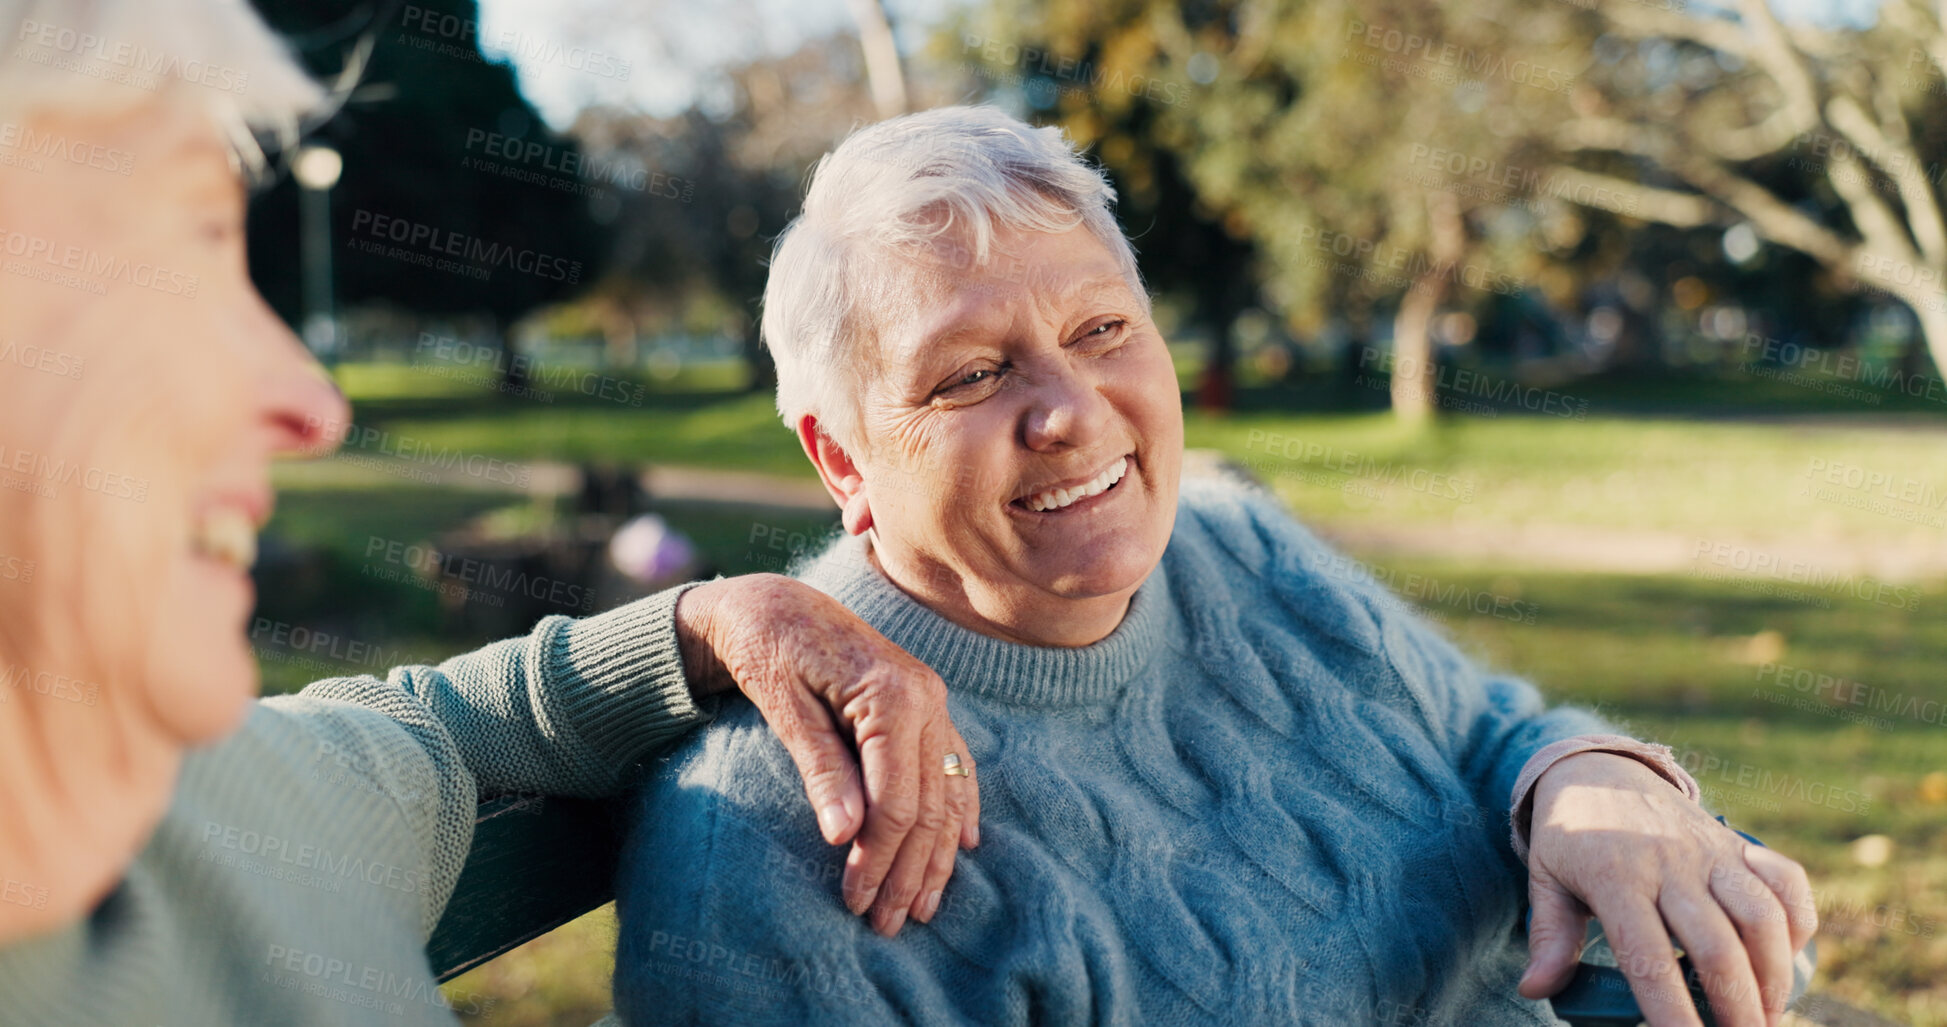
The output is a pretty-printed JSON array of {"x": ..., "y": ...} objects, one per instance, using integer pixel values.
[
  {"x": 940, "y": 182},
  {"x": 105, "y": 56}
]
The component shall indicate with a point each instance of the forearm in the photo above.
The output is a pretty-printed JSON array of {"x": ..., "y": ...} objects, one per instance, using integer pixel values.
[{"x": 566, "y": 710}]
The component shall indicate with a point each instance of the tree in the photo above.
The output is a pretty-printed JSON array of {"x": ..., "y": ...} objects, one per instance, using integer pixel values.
[
  {"x": 1823, "y": 140},
  {"x": 698, "y": 258},
  {"x": 882, "y": 66},
  {"x": 1310, "y": 132},
  {"x": 438, "y": 138}
]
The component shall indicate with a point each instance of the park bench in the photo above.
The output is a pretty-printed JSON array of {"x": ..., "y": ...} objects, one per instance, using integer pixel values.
[{"x": 538, "y": 863}]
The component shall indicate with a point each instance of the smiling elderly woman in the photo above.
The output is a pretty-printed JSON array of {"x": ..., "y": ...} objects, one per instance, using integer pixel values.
[{"x": 1223, "y": 776}]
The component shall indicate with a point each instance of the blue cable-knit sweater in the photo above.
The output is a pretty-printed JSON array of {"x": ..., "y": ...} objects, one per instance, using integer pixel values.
[{"x": 1274, "y": 795}]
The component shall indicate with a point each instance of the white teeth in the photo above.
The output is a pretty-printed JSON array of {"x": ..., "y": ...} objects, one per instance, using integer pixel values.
[
  {"x": 1055, "y": 499},
  {"x": 226, "y": 535}
]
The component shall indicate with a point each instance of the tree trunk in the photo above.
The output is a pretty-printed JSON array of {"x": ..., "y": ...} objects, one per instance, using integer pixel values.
[
  {"x": 1413, "y": 378},
  {"x": 758, "y": 360},
  {"x": 1414, "y": 401},
  {"x": 882, "y": 69},
  {"x": 1217, "y": 386},
  {"x": 620, "y": 339},
  {"x": 513, "y": 369},
  {"x": 1931, "y": 311}
]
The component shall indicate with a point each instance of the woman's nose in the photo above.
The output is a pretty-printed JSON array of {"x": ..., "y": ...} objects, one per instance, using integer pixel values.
[
  {"x": 303, "y": 410},
  {"x": 1066, "y": 412}
]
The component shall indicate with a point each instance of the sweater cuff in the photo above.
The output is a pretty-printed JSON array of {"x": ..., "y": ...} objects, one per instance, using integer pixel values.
[
  {"x": 1650, "y": 754},
  {"x": 626, "y": 694}
]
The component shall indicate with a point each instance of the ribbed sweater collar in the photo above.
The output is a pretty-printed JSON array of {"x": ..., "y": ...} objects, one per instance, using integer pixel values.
[{"x": 969, "y": 661}]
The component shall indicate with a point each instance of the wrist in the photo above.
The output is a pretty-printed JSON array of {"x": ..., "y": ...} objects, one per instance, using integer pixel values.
[
  {"x": 697, "y": 614},
  {"x": 1595, "y": 767}
]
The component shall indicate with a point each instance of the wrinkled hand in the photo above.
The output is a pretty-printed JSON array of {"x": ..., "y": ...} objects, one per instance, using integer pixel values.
[
  {"x": 831, "y": 686},
  {"x": 1612, "y": 836}
]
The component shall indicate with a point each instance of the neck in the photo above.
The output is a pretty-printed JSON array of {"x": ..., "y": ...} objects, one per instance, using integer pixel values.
[
  {"x": 1033, "y": 618},
  {"x": 81, "y": 789}
]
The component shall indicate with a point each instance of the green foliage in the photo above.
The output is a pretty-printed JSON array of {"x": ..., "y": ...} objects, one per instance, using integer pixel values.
[
  {"x": 417, "y": 135},
  {"x": 1301, "y": 127}
]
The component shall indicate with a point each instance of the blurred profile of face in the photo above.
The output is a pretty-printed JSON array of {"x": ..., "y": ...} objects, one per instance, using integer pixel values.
[
  {"x": 1023, "y": 435},
  {"x": 144, "y": 388}
]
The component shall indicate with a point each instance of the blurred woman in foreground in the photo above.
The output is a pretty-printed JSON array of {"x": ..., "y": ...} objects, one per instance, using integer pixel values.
[{"x": 171, "y": 850}]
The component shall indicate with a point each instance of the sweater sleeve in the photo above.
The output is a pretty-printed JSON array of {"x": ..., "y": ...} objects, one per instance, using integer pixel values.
[
  {"x": 301, "y": 866},
  {"x": 1486, "y": 725},
  {"x": 569, "y": 709}
]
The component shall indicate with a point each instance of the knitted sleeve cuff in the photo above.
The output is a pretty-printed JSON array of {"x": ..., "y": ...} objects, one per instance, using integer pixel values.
[
  {"x": 1650, "y": 754},
  {"x": 621, "y": 677}
]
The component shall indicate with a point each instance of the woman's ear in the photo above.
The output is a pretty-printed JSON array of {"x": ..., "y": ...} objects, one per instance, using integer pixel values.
[
  {"x": 857, "y": 515},
  {"x": 839, "y": 473}
]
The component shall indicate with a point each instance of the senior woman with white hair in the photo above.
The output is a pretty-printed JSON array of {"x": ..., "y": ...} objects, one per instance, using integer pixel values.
[
  {"x": 170, "y": 851},
  {"x": 1224, "y": 779}
]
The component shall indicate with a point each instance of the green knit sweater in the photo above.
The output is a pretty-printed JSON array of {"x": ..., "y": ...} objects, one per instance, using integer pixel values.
[{"x": 305, "y": 859}]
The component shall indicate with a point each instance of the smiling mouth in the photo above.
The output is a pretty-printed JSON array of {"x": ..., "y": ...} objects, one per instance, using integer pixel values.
[
  {"x": 227, "y": 536},
  {"x": 1052, "y": 500}
]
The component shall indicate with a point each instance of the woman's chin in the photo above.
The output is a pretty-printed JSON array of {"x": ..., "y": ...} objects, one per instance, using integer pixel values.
[
  {"x": 212, "y": 705},
  {"x": 1094, "y": 579},
  {"x": 204, "y": 672}
]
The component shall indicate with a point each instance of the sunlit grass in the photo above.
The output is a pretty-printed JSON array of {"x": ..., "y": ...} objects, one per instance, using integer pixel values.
[{"x": 1745, "y": 479}]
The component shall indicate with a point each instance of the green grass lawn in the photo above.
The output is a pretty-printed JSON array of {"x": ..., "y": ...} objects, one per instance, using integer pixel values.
[
  {"x": 1687, "y": 661},
  {"x": 1631, "y": 468},
  {"x": 1695, "y": 664}
]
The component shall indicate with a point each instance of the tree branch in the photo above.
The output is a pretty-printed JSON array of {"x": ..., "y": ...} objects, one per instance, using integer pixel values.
[
  {"x": 1899, "y": 162},
  {"x": 1775, "y": 219},
  {"x": 1643, "y": 21},
  {"x": 1684, "y": 210}
]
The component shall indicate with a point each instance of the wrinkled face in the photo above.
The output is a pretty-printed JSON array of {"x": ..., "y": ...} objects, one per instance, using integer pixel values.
[
  {"x": 145, "y": 392},
  {"x": 1023, "y": 434}
]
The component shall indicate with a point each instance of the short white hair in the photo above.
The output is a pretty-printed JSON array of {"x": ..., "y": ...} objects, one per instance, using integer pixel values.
[
  {"x": 949, "y": 177},
  {"x": 105, "y": 56}
]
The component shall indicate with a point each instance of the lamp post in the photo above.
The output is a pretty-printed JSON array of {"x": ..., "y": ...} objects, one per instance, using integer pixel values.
[{"x": 316, "y": 170}]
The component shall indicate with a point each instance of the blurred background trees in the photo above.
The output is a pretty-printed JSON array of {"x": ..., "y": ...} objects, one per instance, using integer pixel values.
[
  {"x": 1827, "y": 142},
  {"x": 1363, "y": 196},
  {"x": 426, "y": 117}
]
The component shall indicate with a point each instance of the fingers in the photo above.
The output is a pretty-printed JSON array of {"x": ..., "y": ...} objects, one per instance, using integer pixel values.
[
  {"x": 1717, "y": 952},
  {"x": 969, "y": 796},
  {"x": 1648, "y": 960},
  {"x": 892, "y": 792},
  {"x": 1788, "y": 882},
  {"x": 909, "y": 867},
  {"x": 1759, "y": 919},
  {"x": 823, "y": 757},
  {"x": 960, "y": 793},
  {"x": 894, "y": 718},
  {"x": 1555, "y": 934}
]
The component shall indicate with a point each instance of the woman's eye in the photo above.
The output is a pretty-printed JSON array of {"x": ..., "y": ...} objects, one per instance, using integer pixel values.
[
  {"x": 1104, "y": 330},
  {"x": 971, "y": 383}
]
